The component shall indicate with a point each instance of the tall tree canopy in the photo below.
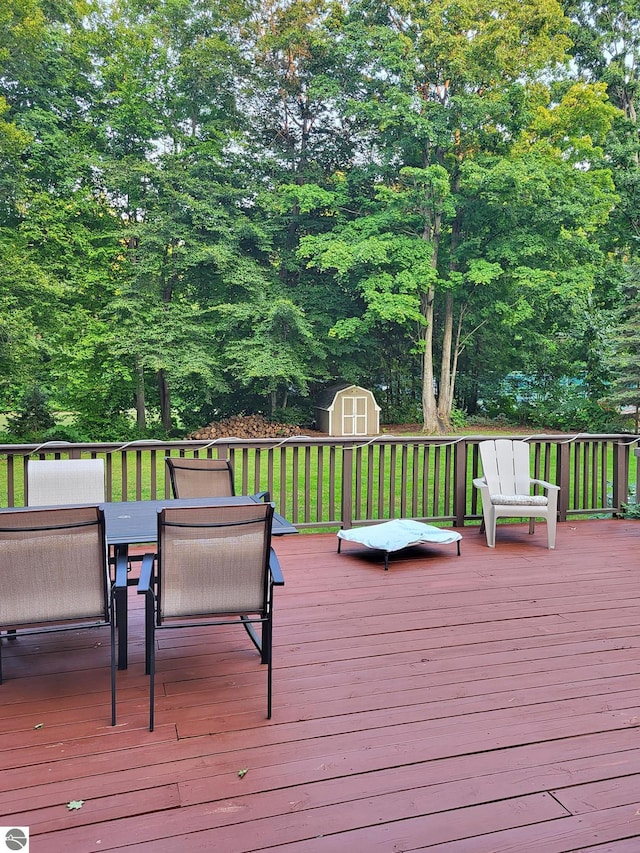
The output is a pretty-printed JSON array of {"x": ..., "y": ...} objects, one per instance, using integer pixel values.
[{"x": 210, "y": 207}]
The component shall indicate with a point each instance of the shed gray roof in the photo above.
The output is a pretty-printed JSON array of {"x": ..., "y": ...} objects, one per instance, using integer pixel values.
[{"x": 325, "y": 398}]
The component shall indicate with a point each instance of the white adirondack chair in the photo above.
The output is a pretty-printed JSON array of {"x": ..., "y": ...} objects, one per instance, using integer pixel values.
[{"x": 506, "y": 489}]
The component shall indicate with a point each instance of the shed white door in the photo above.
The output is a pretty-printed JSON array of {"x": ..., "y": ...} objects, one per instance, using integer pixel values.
[{"x": 354, "y": 416}]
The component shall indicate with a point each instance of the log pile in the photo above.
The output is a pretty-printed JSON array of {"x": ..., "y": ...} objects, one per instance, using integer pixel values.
[{"x": 245, "y": 426}]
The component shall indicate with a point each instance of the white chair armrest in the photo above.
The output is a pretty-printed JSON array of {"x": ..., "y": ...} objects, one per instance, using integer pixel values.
[{"x": 545, "y": 485}]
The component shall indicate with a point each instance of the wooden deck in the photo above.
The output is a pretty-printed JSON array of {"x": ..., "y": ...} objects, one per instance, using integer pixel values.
[{"x": 487, "y": 703}]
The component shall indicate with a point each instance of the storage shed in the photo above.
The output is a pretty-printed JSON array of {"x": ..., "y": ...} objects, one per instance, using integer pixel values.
[{"x": 347, "y": 410}]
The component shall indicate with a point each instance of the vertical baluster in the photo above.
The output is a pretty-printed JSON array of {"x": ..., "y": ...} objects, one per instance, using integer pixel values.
[
  {"x": 332, "y": 482},
  {"x": 138, "y": 475},
  {"x": 357, "y": 509},
  {"x": 380, "y": 449},
  {"x": 391, "y": 479},
  {"x": 448, "y": 468},
  {"x": 436, "y": 480}
]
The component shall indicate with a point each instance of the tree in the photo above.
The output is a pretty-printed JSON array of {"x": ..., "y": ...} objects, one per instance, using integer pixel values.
[
  {"x": 606, "y": 49},
  {"x": 450, "y": 95},
  {"x": 624, "y": 357},
  {"x": 273, "y": 354},
  {"x": 22, "y": 31},
  {"x": 537, "y": 213},
  {"x": 299, "y": 135},
  {"x": 34, "y": 416},
  {"x": 171, "y": 168},
  {"x": 50, "y": 261},
  {"x": 443, "y": 84}
]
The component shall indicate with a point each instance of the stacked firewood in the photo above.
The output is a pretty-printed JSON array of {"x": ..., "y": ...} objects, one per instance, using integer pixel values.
[{"x": 244, "y": 426}]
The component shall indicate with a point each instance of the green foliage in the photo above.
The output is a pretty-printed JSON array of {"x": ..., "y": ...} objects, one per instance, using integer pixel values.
[
  {"x": 406, "y": 412},
  {"x": 100, "y": 427},
  {"x": 66, "y": 432},
  {"x": 631, "y": 509},
  {"x": 575, "y": 414},
  {"x": 297, "y": 414},
  {"x": 458, "y": 418},
  {"x": 276, "y": 349},
  {"x": 33, "y": 416},
  {"x": 545, "y": 403},
  {"x": 624, "y": 354}
]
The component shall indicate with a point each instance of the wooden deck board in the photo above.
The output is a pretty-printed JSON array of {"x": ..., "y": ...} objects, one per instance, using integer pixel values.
[{"x": 487, "y": 703}]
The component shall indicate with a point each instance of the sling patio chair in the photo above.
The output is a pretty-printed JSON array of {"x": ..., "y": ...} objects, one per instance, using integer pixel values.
[
  {"x": 214, "y": 566},
  {"x": 203, "y": 478},
  {"x": 54, "y": 576},
  {"x": 55, "y": 482},
  {"x": 506, "y": 489}
]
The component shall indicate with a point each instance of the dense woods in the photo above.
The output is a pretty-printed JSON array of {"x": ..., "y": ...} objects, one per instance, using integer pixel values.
[{"x": 210, "y": 208}]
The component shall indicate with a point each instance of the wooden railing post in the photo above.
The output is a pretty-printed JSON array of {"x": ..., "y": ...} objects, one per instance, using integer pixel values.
[
  {"x": 564, "y": 478},
  {"x": 636, "y": 480},
  {"x": 460, "y": 483},
  {"x": 620, "y": 488}
]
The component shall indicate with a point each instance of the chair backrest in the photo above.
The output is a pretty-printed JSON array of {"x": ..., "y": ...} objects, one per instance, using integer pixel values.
[
  {"x": 53, "y": 566},
  {"x": 55, "y": 482},
  {"x": 213, "y": 560},
  {"x": 505, "y": 465},
  {"x": 201, "y": 478}
]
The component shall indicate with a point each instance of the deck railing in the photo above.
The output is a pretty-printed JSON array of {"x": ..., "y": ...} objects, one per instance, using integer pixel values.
[{"x": 343, "y": 482}]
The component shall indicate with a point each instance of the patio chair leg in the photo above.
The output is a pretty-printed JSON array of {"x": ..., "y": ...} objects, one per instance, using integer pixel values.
[
  {"x": 267, "y": 657},
  {"x": 113, "y": 661},
  {"x": 152, "y": 679}
]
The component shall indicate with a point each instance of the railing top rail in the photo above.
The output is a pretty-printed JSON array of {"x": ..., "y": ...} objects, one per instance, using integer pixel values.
[{"x": 299, "y": 440}]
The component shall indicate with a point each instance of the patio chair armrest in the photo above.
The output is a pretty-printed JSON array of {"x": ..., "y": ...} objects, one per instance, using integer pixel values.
[
  {"x": 274, "y": 567},
  {"x": 480, "y": 483},
  {"x": 122, "y": 570},
  {"x": 262, "y": 496},
  {"x": 545, "y": 485},
  {"x": 146, "y": 574}
]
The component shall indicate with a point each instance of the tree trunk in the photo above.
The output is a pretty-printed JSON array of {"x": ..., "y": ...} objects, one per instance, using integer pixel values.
[
  {"x": 165, "y": 401},
  {"x": 140, "y": 397},
  {"x": 449, "y": 362},
  {"x": 429, "y": 406},
  {"x": 430, "y": 421},
  {"x": 164, "y": 389},
  {"x": 445, "y": 395},
  {"x": 457, "y": 349}
]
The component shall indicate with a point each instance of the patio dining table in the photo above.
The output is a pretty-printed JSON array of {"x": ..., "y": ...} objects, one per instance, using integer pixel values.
[{"x": 130, "y": 523}]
